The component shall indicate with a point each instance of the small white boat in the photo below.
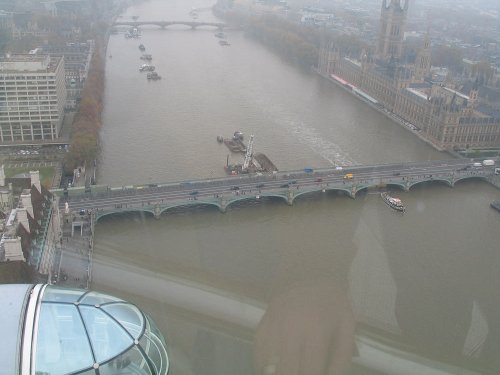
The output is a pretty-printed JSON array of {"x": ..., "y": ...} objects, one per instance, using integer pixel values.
[{"x": 394, "y": 203}]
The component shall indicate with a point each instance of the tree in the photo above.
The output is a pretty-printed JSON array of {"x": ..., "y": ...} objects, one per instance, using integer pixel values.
[{"x": 448, "y": 56}]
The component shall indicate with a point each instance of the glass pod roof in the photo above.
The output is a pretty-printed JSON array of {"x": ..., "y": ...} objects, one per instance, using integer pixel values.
[{"x": 80, "y": 332}]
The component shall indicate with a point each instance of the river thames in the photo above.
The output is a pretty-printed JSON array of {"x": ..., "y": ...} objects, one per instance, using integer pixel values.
[{"x": 426, "y": 282}]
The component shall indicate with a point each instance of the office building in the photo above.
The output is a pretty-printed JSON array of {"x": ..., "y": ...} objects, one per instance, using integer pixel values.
[{"x": 32, "y": 98}]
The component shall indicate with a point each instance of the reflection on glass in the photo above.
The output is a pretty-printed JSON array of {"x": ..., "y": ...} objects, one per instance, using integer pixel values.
[
  {"x": 107, "y": 338},
  {"x": 62, "y": 345},
  {"x": 131, "y": 362},
  {"x": 76, "y": 337},
  {"x": 128, "y": 316}
]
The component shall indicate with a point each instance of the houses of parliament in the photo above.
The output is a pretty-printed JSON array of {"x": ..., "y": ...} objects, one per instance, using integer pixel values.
[{"x": 445, "y": 117}]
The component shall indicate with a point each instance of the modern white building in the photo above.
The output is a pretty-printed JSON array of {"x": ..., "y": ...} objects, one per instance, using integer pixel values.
[
  {"x": 32, "y": 98},
  {"x": 77, "y": 58}
]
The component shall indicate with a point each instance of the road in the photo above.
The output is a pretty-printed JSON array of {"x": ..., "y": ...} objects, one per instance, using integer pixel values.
[{"x": 297, "y": 181}]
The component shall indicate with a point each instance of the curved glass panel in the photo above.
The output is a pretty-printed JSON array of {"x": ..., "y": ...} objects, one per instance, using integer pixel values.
[
  {"x": 94, "y": 298},
  {"x": 154, "y": 329},
  {"x": 154, "y": 349},
  {"x": 108, "y": 339},
  {"x": 62, "y": 344},
  {"x": 129, "y": 317},
  {"x": 87, "y": 372},
  {"x": 131, "y": 362},
  {"x": 54, "y": 294},
  {"x": 74, "y": 334}
]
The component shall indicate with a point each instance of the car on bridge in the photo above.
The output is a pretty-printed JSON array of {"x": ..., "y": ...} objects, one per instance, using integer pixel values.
[
  {"x": 285, "y": 186},
  {"x": 260, "y": 186},
  {"x": 194, "y": 192},
  {"x": 319, "y": 180},
  {"x": 234, "y": 188},
  {"x": 396, "y": 174}
]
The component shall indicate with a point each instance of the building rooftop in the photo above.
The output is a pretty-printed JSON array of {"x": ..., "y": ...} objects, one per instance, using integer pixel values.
[
  {"x": 420, "y": 94},
  {"x": 29, "y": 63},
  {"x": 457, "y": 93},
  {"x": 489, "y": 111}
]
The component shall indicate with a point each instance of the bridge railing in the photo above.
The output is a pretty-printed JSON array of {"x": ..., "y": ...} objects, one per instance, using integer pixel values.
[{"x": 104, "y": 190}]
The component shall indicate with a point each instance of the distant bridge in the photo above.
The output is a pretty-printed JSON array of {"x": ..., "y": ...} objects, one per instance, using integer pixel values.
[
  {"x": 165, "y": 24},
  {"x": 157, "y": 199}
]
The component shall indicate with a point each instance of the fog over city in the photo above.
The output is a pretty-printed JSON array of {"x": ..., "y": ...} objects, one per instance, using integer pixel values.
[{"x": 278, "y": 187}]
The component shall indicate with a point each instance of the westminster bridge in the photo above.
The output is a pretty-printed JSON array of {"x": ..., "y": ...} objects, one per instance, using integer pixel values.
[{"x": 157, "y": 199}]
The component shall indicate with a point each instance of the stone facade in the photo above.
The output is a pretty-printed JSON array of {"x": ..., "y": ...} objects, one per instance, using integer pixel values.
[
  {"x": 444, "y": 116},
  {"x": 31, "y": 232}
]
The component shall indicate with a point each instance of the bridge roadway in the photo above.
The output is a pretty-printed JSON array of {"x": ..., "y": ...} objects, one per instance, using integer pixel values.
[
  {"x": 164, "y": 24},
  {"x": 222, "y": 192}
]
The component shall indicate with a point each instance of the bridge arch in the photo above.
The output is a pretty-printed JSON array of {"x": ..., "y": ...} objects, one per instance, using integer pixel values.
[
  {"x": 320, "y": 189},
  {"x": 362, "y": 187},
  {"x": 483, "y": 178},
  {"x": 190, "y": 204},
  {"x": 440, "y": 180},
  {"x": 122, "y": 211},
  {"x": 398, "y": 185},
  {"x": 253, "y": 197}
]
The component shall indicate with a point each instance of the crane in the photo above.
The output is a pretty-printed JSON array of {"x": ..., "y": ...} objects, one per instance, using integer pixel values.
[{"x": 249, "y": 154}]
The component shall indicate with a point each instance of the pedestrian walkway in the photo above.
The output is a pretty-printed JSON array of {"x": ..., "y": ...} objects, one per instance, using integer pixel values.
[{"x": 75, "y": 251}]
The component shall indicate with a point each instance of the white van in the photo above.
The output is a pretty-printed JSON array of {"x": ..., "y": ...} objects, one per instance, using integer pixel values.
[{"x": 488, "y": 163}]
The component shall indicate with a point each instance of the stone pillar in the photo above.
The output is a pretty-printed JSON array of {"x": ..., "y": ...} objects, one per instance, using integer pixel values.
[
  {"x": 22, "y": 218},
  {"x": 353, "y": 191},
  {"x": 222, "y": 205},
  {"x": 157, "y": 211},
  {"x": 35, "y": 180},
  {"x": 26, "y": 202},
  {"x": 2, "y": 176},
  {"x": 290, "y": 197}
]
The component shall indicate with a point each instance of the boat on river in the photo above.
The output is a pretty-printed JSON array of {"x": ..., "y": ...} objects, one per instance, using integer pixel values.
[
  {"x": 153, "y": 76},
  {"x": 141, "y": 47},
  {"x": 394, "y": 203},
  {"x": 147, "y": 57},
  {"x": 146, "y": 68},
  {"x": 224, "y": 43}
]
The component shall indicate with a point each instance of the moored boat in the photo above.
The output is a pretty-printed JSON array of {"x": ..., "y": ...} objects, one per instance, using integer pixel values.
[
  {"x": 153, "y": 76},
  {"x": 146, "y": 56},
  {"x": 394, "y": 203},
  {"x": 141, "y": 47},
  {"x": 146, "y": 68}
]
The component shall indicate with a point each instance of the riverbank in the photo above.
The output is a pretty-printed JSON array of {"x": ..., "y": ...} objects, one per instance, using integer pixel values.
[
  {"x": 295, "y": 42},
  {"x": 386, "y": 113}
]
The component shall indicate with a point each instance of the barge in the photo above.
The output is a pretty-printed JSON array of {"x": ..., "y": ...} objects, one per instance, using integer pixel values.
[
  {"x": 235, "y": 145},
  {"x": 266, "y": 165}
]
